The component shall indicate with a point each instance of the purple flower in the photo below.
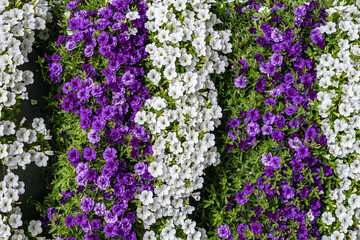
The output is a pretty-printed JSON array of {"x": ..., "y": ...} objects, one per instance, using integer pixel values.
[
  {"x": 103, "y": 39},
  {"x": 252, "y": 30},
  {"x": 258, "y": 57},
  {"x": 71, "y": 5},
  {"x": 249, "y": 188},
  {"x": 240, "y": 198},
  {"x": 276, "y": 37},
  {"x": 224, "y": 231},
  {"x": 277, "y": 135},
  {"x": 87, "y": 204},
  {"x": 270, "y": 101},
  {"x": 288, "y": 78},
  {"x": 100, "y": 209},
  {"x": 288, "y": 192},
  {"x": 88, "y": 51},
  {"x": 261, "y": 84},
  {"x": 276, "y": 59},
  {"x": 304, "y": 192},
  {"x": 77, "y": 36},
  {"x": 327, "y": 170},
  {"x": 253, "y": 128},
  {"x": 254, "y": 114},
  {"x": 240, "y": 229},
  {"x": 300, "y": 11},
  {"x": 280, "y": 121},
  {"x": 315, "y": 204},
  {"x": 234, "y": 122},
  {"x": 268, "y": 118},
  {"x": 70, "y": 45},
  {"x": 56, "y": 69},
  {"x": 302, "y": 152},
  {"x": 240, "y": 82},
  {"x": 89, "y": 154},
  {"x": 256, "y": 228},
  {"x": 93, "y": 136},
  {"x": 110, "y": 230},
  {"x": 103, "y": 182},
  {"x": 74, "y": 156},
  {"x": 140, "y": 168},
  {"x": 50, "y": 212},
  {"x": 95, "y": 224},
  {"x": 265, "y": 27},
  {"x": 310, "y": 134},
  {"x": 70, "y": 221},
  {"x": 269, "y": 171},
  {"x": 109, "y": 153},
  {"x": 128, "y": 78}
]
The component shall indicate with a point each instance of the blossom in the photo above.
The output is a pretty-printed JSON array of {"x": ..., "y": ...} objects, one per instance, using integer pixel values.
[
  {"x": 241, "y": 198},
  {"x": 240, "y": 82},
  {"x": 256, "y": 228},
  {"x": 224, "y": 231}
]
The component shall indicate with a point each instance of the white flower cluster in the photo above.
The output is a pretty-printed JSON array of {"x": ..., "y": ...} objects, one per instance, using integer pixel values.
[
  {"x": 10, "y": 189},
  {"x": 339, "y": 78},
  {"x": 348, "y": 173},
  {"x": 18, "y": 21},
  {"x": 13, "y": 154},
  {"x": 16, "y": 40},
  {"x": 341, "y": 96},
  {"x": 183, "y": 111}
]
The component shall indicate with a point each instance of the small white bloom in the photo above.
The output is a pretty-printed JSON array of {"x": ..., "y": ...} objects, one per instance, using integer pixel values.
[{"x": 35, "y": 227}]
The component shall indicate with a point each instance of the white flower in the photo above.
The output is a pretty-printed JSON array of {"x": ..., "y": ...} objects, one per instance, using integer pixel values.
[
  {"x": 35, "y": 227},
  {"x": 354, "y": 201},
  {"x": 9, "y": 127},
  {"x": 12, "y": 194},
  {"x": 146, "y": 197},
  {"x": 330, "y": 28},
  {"x": 11, "y": 180},
  {"x": 132, "y": 15},
  {"x": 168, "y": 233},
  {"x": 4, "y": 228},
  {"x": 337, "y": 236},
  {"x": 154, "y": 76},
  {"x": 355, "y": 166},
  {"x": 188, "y": 226},
  {"x": 3, "y": 151},
  {"x": 345, "y": 109},
  {"x": 327, "y": 218},
  {"x": 155, "y": 169},
  {"x": 5, "y": 205},
  {"x": 15, "y": 220},
  {"x": 149, "y": 235},
  {"x": 41, "y": 159},
  {"x": 140, "y": 117}
]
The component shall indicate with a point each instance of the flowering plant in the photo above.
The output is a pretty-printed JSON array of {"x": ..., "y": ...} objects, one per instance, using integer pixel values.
[
  {"x": 274, "y": 146},
  {"x": 185, "y": 50},
  {"x": 19, "y": 146},
  {"x": 337, "y": 102},
  {"x": 96, "y": 68}
]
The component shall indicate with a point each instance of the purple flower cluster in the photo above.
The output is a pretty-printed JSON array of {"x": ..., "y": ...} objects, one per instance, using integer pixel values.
[
  {"x": 106, "y": 102},
  {"x": 285, "y": 86}
]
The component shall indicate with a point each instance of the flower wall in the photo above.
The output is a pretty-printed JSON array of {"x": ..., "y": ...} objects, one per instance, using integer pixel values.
[{"x": 193, "y": 119}]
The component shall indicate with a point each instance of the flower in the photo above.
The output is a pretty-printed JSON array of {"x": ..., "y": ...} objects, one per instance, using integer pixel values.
[
  {"x": 224, "y": 231},
  {"x": 240, "y": 82},
  {"x": 35, "y": 227},
  {"x": 256, "y": 228}
]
